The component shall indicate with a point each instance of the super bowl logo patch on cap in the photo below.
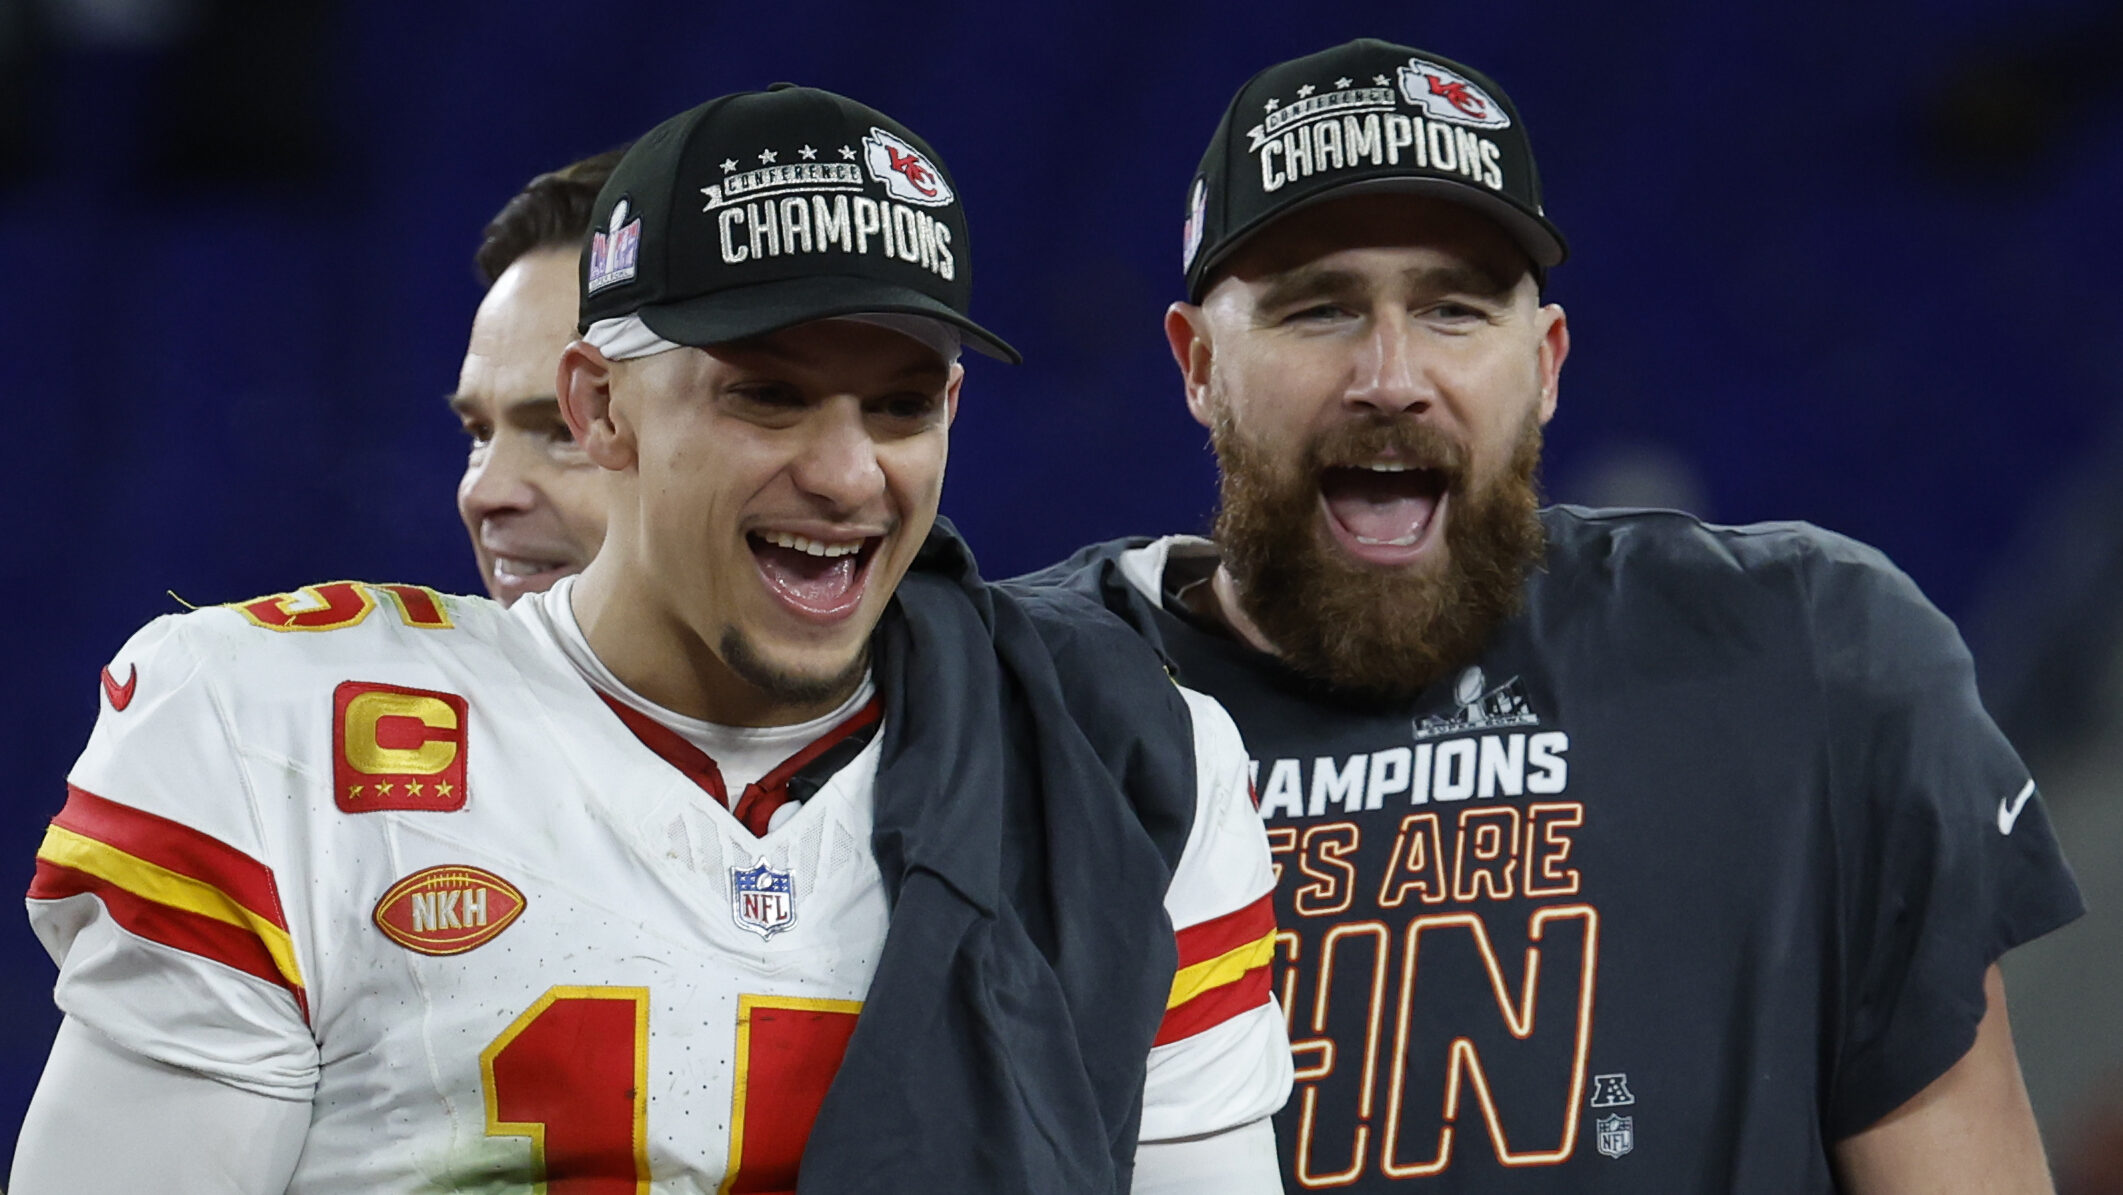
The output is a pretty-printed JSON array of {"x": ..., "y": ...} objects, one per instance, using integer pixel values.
[
  {"x": 614, "y": 250},
  {"x": 1197, "y": 214},
  {"x": 1447, "y": 95},
  {"x": 906, "y": 174}
]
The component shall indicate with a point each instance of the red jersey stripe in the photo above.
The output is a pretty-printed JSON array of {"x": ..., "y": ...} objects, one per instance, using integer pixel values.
[
  {"x": 230, "y": 945},
  {"x": 174, "y": 846},
  {"x": 1214, "y": 1007},
  {"x": 1222, "y": 935}
]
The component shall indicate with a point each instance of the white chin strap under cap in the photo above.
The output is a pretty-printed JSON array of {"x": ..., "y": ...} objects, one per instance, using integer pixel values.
[{"x": 625, "y": 337}]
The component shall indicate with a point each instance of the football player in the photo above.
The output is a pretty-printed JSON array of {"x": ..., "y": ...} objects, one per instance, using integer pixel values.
[
  {"x": 533, "y": 503},
  {"x": 774, "y": 851},
  {"x": 1618, "y": 851}
]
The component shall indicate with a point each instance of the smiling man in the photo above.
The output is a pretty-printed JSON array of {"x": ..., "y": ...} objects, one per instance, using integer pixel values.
[
  {"x": 775, "y": 851},
  {"x": 1617, "y": 851},
  {"x": 532, "y": 502}
]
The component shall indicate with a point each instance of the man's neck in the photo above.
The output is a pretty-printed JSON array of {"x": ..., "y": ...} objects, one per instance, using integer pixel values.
[
  {"x": 665, "y": 660},
  {"x": 1222, "y": 595}
]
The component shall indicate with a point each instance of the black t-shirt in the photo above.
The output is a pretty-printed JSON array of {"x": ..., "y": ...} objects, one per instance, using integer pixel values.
[{"x": 1694, "y": 872}]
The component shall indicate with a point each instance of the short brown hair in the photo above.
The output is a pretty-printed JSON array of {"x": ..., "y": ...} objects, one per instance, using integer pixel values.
[{"x": 551, "y": 212}]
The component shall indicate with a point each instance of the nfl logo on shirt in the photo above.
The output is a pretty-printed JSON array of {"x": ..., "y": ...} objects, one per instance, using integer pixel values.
[
  {"x": 1616, "y": 1135},
  {"x": 761, "y": 899}
]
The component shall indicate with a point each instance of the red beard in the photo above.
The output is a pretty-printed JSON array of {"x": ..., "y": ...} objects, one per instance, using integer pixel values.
[{"x": 1376, "y": 631}]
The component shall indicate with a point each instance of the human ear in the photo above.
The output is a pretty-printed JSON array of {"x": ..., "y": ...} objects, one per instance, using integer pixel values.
[
  {"x": 1555, "y": 345},
  {"x": 584, "y": 387},
  {"x": 1186, "y": 330}
]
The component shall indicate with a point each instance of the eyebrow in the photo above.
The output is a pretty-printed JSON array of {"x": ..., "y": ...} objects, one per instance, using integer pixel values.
[
  {"x": 924, "y": 370},
  {"x": 1317, "y": 282},
  {"x": 534, "y": 406},
  {"x": 1306, "y": 282}
]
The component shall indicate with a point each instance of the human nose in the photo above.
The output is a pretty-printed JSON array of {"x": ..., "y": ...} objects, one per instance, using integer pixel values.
[
  {"x": 497, "y": 480},
  {"x": 1390, "y": 375},
  {"x": 838, "y": 462}
]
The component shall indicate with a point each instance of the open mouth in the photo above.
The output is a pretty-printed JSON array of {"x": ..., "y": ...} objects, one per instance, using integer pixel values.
[
  {"x": 524, "y": 574},
  {"x": 821, "y": 579},
  {"x": 1383, "y": 512}
]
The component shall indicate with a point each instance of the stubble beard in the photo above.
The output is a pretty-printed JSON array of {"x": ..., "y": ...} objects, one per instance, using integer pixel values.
[
  {"x": 783, "y": 686},
  {"x": 1377, "y": 632}
]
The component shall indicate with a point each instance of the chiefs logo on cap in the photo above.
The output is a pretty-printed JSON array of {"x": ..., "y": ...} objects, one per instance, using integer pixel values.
[
  {"x": 397, "y": 748},
  {"x": 448, "y": 910},
  {"x": 906, "y": 174},
  {"x": 1447, "y": 95}
]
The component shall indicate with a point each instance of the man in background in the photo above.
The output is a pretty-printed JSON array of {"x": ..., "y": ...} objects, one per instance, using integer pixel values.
[
  {"x": 532, "y": 501},
  {"x": 1616, "y": 852}
]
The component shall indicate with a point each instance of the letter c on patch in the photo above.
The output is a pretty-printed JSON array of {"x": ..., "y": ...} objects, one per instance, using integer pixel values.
[{"x": 365, "y": 715}]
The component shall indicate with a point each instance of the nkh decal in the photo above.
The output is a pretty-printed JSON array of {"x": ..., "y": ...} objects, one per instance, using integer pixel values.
[
  {"x": 614, "y": 250},
  {"x": 906, "y": 174},
  {"x": 397, "y": 748},
  {"x": 448, "y": 910},
  {"x": 1450, "y": 96}
]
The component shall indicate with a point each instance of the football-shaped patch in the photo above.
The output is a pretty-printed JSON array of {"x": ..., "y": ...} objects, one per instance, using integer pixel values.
[{"x": 448, "y": 910}]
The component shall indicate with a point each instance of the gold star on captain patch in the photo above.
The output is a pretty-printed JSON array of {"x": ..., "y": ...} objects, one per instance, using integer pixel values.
[
  {"x": 1344, "y": 81},
  {"x": 847, "y": 152},
  {"x": 353, "y": 792},
  {"x": 444, "y": 790},
  {"x": 414, "y": 788},
  {"x": 384, "y": 790},
  {"x": 807, "y": 153},
  {"x": 766, "y": 156},
  {"x": 1306, "y": 90}
]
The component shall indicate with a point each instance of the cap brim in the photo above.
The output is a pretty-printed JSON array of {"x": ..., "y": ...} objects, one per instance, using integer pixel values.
[
  {"x": 746, "y": 311},
  {"x": 1542, "y": 241}
]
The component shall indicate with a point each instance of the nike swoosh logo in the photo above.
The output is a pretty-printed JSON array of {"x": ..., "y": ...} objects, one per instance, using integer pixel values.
[
  {"x": 2009, "y": 811},
  {"x": 121, "y": 695}
]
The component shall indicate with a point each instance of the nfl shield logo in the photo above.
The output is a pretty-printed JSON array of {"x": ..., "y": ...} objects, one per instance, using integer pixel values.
[
  {"x": 1617, "y": 1135},
  {"x": 761, "y": 899}
]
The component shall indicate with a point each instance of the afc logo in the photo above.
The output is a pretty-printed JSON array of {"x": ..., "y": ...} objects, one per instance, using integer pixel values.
[{"x": 906, "y": 174}]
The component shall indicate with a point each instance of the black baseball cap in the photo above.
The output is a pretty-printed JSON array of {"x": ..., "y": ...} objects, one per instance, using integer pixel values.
[
  {"x": 1364, "y": 116},
  {"x": 765, "y": 209}
]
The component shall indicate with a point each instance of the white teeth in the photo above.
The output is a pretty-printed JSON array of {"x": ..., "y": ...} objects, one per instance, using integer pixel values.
[
  {"x": 1405, "y": 541},
  {"x": 510, "y": 566},
  {"x": 809, "y": 546},
  {"x": 1390, "y": 467}
]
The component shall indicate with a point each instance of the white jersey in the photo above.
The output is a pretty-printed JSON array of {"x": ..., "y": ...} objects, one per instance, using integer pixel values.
[{"x": 388, "y": 852}]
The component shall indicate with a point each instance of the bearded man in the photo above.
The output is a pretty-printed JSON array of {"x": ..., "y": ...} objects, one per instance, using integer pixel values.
[{"x": 1615, "y": 851}]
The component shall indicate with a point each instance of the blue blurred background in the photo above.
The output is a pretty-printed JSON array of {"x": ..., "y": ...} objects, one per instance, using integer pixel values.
[{"x": 1847, "y": 262}]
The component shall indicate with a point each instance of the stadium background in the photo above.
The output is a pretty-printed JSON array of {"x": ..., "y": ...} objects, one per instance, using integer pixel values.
[{"x": 1851, "y": 263}]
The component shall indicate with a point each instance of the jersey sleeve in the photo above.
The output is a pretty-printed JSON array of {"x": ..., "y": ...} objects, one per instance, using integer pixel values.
[
  {"x": 1949, "y": 860},
  {"x": 153, "y": 888},
  {"x": 1222, "y": 1053}
]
